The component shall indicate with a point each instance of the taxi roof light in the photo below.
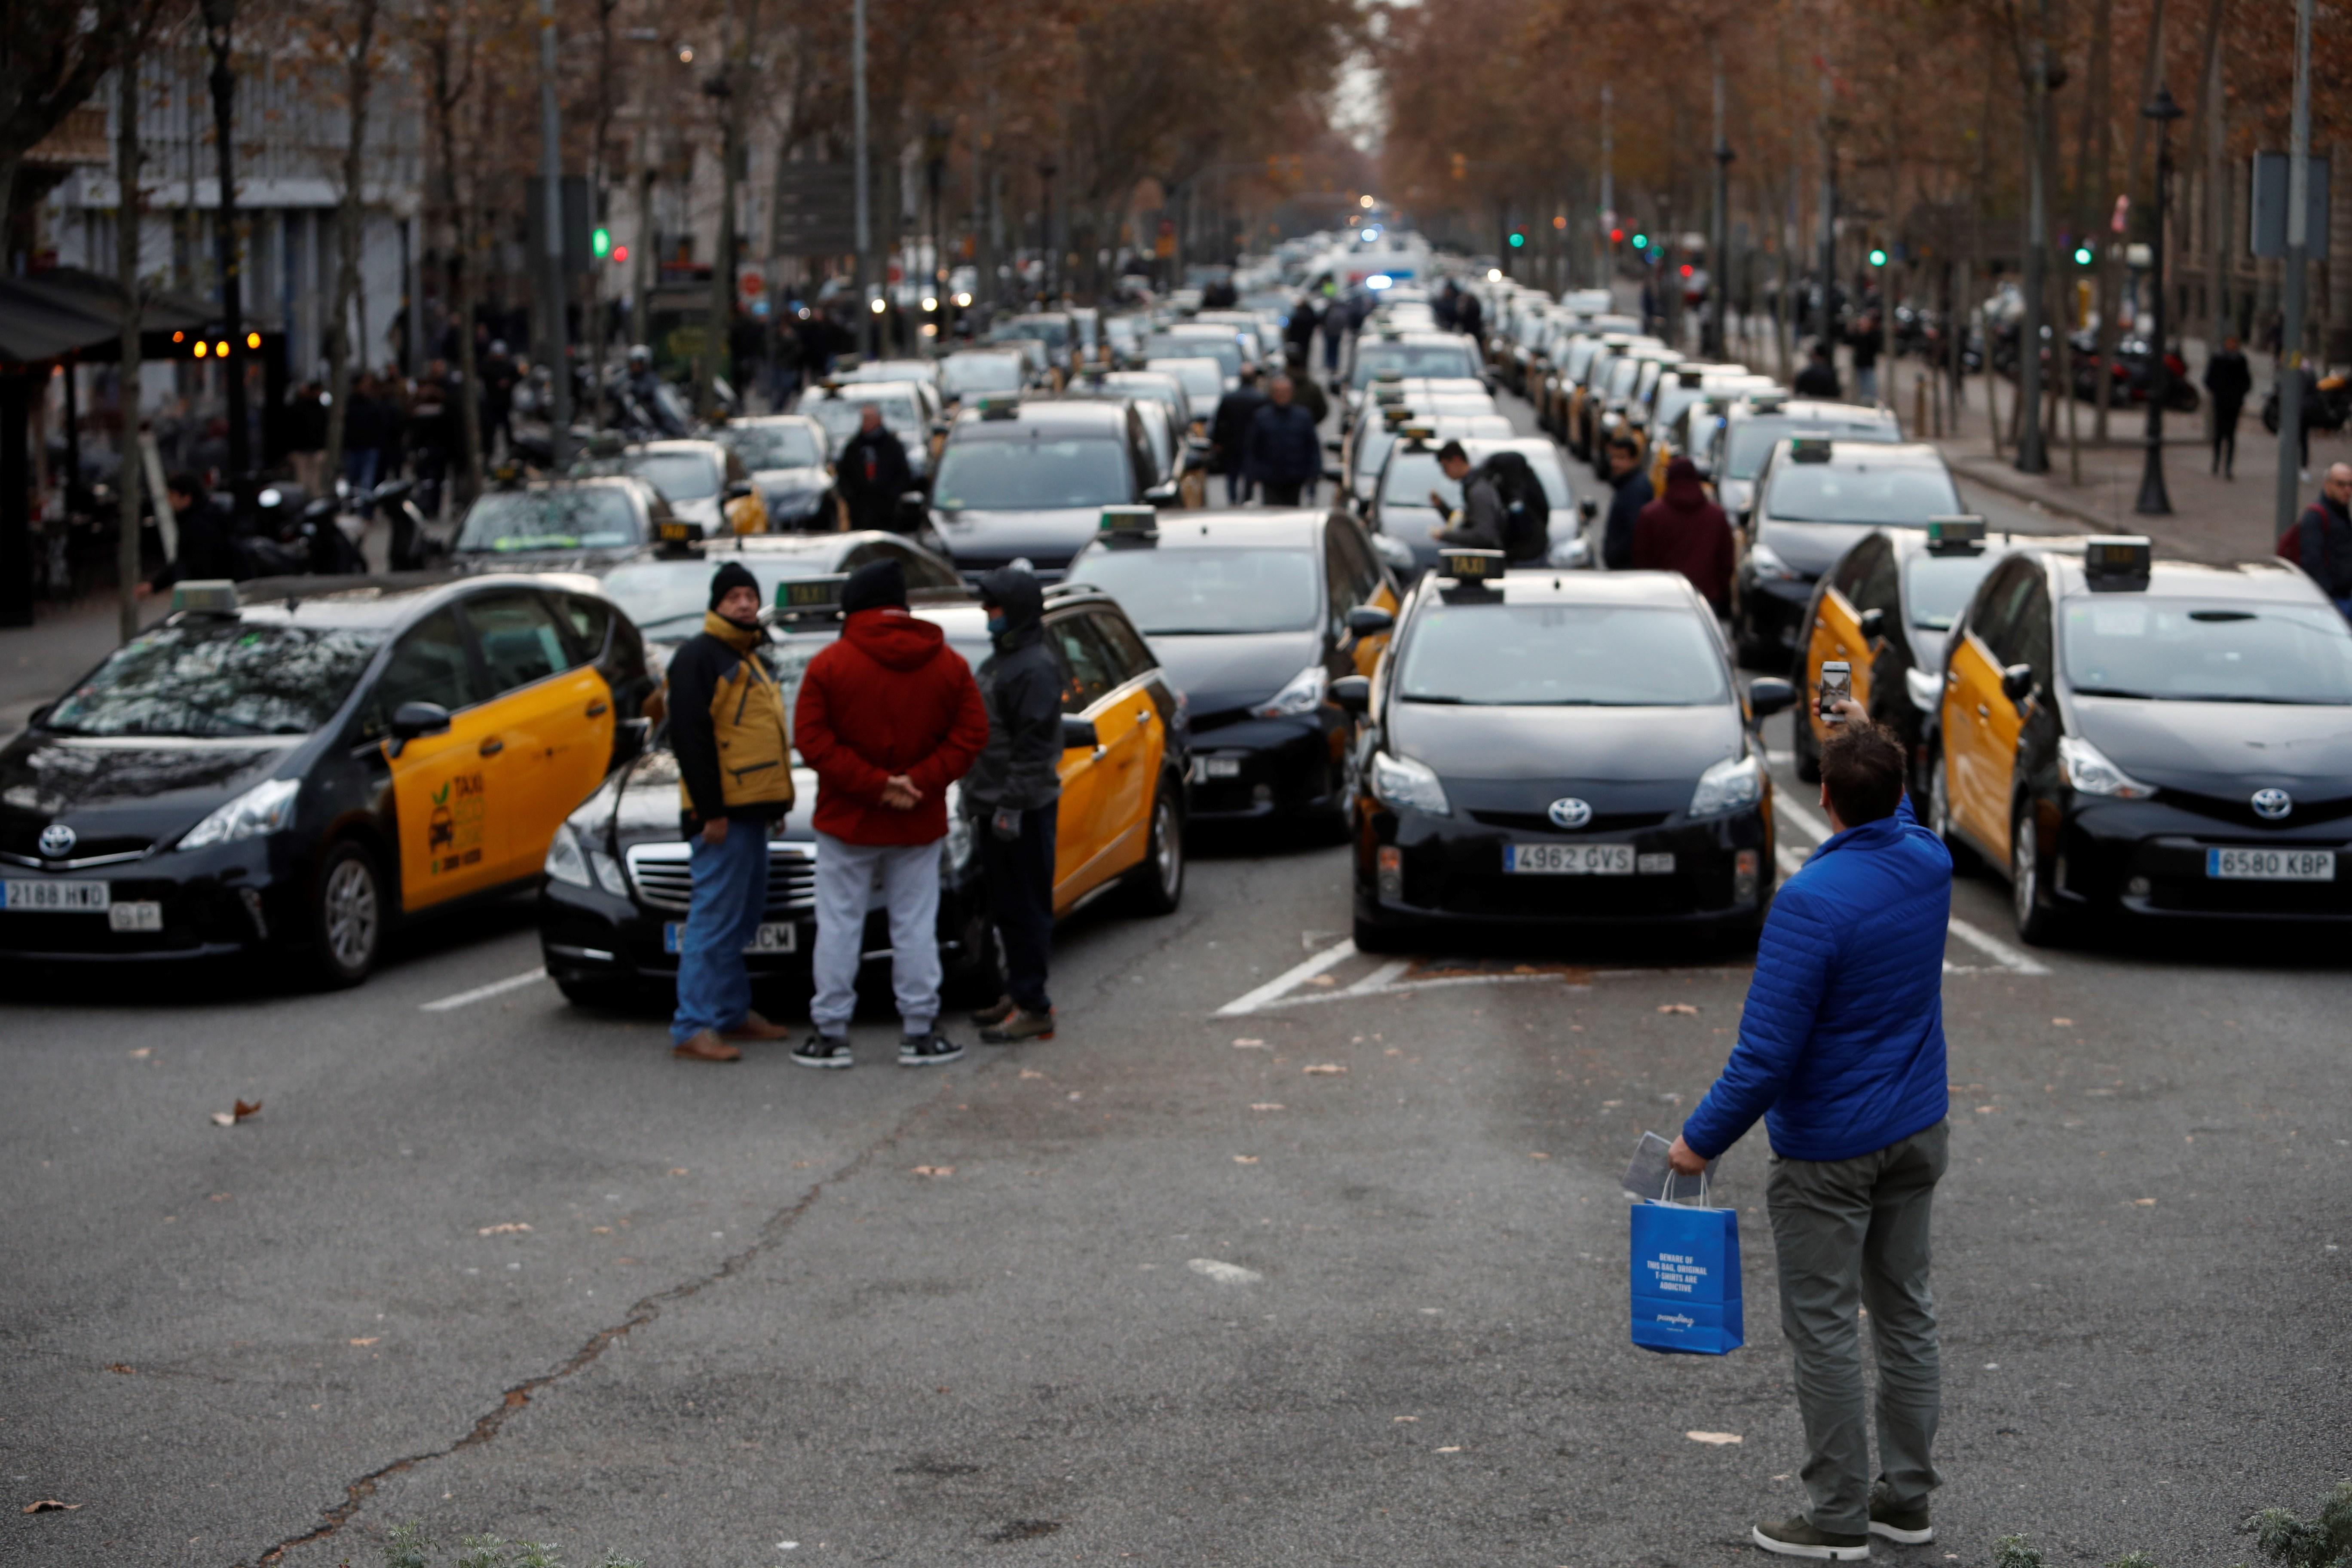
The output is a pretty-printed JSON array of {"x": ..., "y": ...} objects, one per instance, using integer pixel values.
[
  {"x": 677, "y": 535},
  {"x": 1767, "y": 402},
  {"x": 204, "y": 597},
  {"x": 1000, "y": 405},
  {"x": 1471, "y": 565},
  {"x": 1809, "y": 448},
  {"x": 809, "y": 598},
  {"x": 1388, "y": 375},
  {"x": 1962, "y": 533},
  {"x": 2117, "y": 559},
  {"x": 1128, "y": 525}
]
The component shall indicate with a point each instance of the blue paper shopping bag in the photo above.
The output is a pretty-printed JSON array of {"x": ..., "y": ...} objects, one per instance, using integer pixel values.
[{"x": 1687, "y": 1278}]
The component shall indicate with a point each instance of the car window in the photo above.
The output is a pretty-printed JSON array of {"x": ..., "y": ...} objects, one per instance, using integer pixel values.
[
  {"x": 678, "y": 476},
  {"x": 1852, "y": 568},
  {"x": 1036, "y": 474},
  {"x": 519, "y": 640},
  {"x": 1997, "y": 604},
  {"x": 1129, "y": 657},
  {"x": 1086, "y": 676},
  {"x": 1880, "y": 590},
  {"x": 2028, "y": 639},
  {"x": 1354, "y": 559},
  {"x": 589, "y": 619},
  {"x": 429, "y": 665},
  {"x": 589, "y": 516},
  {"x": 1902, "y": 494}
]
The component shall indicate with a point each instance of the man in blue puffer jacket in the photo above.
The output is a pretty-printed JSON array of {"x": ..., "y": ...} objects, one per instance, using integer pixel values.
[{"x": 1842, "y": 1052}]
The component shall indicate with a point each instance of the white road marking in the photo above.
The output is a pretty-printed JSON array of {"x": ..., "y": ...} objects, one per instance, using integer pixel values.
[
  {"x": 1803, "y": 821},
  {"x": 1976, "y": 936},
  {"x": 1380, "y": 978},
  {"x": 1992, "y": 947},
  {"x": 1224, "y": 1273},
  {"x": 483, "y": 992},
  {"x": 1791, "y": 859},
  {"x": 1298, "y": 974}
]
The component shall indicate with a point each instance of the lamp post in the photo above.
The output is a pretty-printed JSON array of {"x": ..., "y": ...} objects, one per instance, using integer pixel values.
[
  {"x": 220, "y": 15},
  {"x": 936, "y": 137},
  {"x": 1719, "y": 231},
  {"x": 1046, "y": 170},
  {"x": 2032, "y": 455},
  {"x": 2153, "y": 500}
]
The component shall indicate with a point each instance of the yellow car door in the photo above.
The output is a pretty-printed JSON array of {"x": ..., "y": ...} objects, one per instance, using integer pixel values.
[
  {"x": 1133, "y": 761},
  {"x": 552, "y": 720},
  {"x": 451, "y": 842},
  {"x": 1971, "y": 683},
  {"x": 1837, "y": 633},
  {"x": 1085, "y": 828}
]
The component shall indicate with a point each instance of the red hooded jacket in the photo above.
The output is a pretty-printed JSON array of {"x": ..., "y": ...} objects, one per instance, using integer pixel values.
[
  {"x": 1684, "y": 531},
  {"x": 890, "y": 697}
]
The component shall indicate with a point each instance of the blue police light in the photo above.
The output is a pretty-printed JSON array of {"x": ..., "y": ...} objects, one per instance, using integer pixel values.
[{"x": 1378, "y": 280}]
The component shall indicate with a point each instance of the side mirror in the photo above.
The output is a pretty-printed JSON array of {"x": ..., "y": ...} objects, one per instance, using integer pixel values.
[
  {"x": 1369, "y": 621},
  {"x": 1872, "y": 624},
  {"x": 2017, "y": 682},
  {"x": 1353, "y": 692},
  {"x": 33, "y": 720},
  {"x": 736, "y": 490},
  {"x": 1769, "y": 694},
  {"x": 1163, "y": 495},
  {"x": 412, "y": 720},
  {"x": 1079, "y": 733}
]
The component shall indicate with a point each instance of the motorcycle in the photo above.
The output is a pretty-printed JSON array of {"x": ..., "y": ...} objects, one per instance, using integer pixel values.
[
  {"x": 415, "y": 546},
  {"x": 2326, "y": 403}
]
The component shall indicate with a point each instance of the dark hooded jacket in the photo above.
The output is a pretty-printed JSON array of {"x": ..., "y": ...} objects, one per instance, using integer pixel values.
[
  {"x": 1633, "y": 493},
  {"x": 1022, "y": 686},
  {"x": 1684, "y": 531}
]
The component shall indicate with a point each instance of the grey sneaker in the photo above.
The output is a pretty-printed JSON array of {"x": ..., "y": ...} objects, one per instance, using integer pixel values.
[
  {"x": 823, "y": 1050},
  {"x": 1904, "y": 1527},
  {"x": 929, "y": 1050},
  {"x": 1796, "y": 1537}
]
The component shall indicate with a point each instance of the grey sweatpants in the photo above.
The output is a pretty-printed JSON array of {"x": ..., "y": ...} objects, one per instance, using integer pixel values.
[
  {"x": 845, "y": 875},
  {"x": 1849, "y": 1234}
]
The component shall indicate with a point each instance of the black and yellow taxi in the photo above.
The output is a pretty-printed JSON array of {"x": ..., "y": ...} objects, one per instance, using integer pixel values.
[
  {"x": 1885, "y": 610},
  {"x": 614, "y": 905},
  {"x": 302, "y": 767},
  {"x": 1253, "y": 614},
  {"x": 2158, "y": 739},
  {"x": 1553, "y": 748}
]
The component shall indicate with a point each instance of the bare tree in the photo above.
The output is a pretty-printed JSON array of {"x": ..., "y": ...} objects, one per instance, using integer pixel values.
[{"x": 356, "y": 50}]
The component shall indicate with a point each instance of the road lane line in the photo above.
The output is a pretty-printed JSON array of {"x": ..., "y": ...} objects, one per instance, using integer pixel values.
[
  {"x": 1378, "y": 978},
  {"x": 1789, "y": 860},
  {"x": 1298, "y": 974},
  {"x": 482, "y": 993},
  {"x": 1801, "y": 819},
  {"x": 1992, "y": 947}
]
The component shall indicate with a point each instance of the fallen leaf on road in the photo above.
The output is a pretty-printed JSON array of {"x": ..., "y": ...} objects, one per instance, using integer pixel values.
[
  {"x": 599, "y": 1230},
  {"x": 50, "y": 1505},
  {"x": 370, "y": 1340},
  {"x": 1324, "y": 1067},
  {"x": 142, "y": 1052},
  {"x": 231, "y": 1118},
  {"x": 1244, "y": 1159},
  {"x": 1537, "y": 1154},
  {"x": 1454, "y": 1449},
  {"x": 509, "y": 1228},
  {"x": 1321, "y": 979},
  {"x": 1676, "y": 1008},
  {"x": 1223, "y": 1273},
  {"x": 678, "y": 1170},
  {"x": 1611, "y": 1104},
  {"x": 220, "y": 1197},
  {"x": 1984, "y": 1110},
  {"x": 1031, "y": 1072},
  {"x": 625, "y": 1260},
  {"x": 935, "y": 1170},
  {"x": 1267, "y": 1105},
  {"x": 1718, "y": 1438},
  {"x": 1404, "y": 1418},
  {"x": 125, "y": 1367},
  {"x": 2063, "y": 1023},
  {"x": 1249, "y": 1045},
  {"x": 2144, "y": 1203}
]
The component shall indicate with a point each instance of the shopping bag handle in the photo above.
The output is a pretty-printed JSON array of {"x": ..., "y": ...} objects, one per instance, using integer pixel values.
[{"x": 1668, "y": 1187}]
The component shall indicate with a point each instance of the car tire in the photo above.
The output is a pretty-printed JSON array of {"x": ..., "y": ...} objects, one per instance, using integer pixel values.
[
  {"x": 1804, "y": 752},
  {"x": 1158, "y": 883},
  {"x": 1939, "y": 814},
  {"x": 2038, "y": 923},
  {"x": 347, "y": 916}
]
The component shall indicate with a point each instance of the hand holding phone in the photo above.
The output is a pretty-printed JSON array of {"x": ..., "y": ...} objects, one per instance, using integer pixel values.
[{"x": 1836, "y": 687}]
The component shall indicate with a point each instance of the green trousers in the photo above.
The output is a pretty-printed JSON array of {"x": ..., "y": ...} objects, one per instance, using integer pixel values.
[{"x": 1853, "y": 1234}]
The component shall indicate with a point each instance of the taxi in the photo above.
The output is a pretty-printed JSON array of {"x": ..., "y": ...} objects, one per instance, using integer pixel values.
[
  {"x": 1028, "y": 481},
  {"x": 1253, "y": 614},
  {"x": 1562, "y": 748},
  {"x": 560, "y": 525},
  {"x": 1753, "y": 425},
  {"x": 299, "y": 771},
  {"x": 1401, "y": 518},
  {"x": 665, "y": 592},
  {"x": 911, "y": 411},
  {"x": 613, "y": 904},
  {"x": 1366, "y": 451},
  {"x": 1401, "y": 355},
  {"x": 977, "y": 373},
  {"x": 1590, "y": 386},
  {"x": 2158, "y": 739},
  {"x": 1684, "y": 395},
  {"x": 1816, "y": 496},
  {"x": 1572, "y": 356},
  {"x": 1178, "y": 460},
  {"x": 785, "y": 455}
]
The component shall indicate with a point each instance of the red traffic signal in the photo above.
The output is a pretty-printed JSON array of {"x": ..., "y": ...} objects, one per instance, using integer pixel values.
[{"x": 1616, "y": 237}]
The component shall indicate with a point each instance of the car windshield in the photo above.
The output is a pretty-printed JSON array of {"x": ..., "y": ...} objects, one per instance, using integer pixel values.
[
  {"x": 1169, "y": 592},
  {"x": 1536, "y": 656},
  {"x": 963, "y": 375},
  {"x": 1219, "y": 346},
  {"x": 2196, "y": 651},
  {"x": 593, "y": 517},
  {"x": 1033, "y": 476},
  {"x": 219, "y": 678},
  {"x": 1940, "y": 585},
  {"x": 772, "y": 446},
  {"x": 1412, "y": 476},
  {"x": 1050, "y": 328},
  {"x": 1905, "y": 495},
  {"x": 678, "y": 476},
  {"x": 1411, "y": 359},
  {"x": 1202, "y": 382},
  {"x": 668, "y": 599},
  {"x": 1752, "y": 440}
]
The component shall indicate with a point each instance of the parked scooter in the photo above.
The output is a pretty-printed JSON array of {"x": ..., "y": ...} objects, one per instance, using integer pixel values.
[{"x": 2326, "y": 403}]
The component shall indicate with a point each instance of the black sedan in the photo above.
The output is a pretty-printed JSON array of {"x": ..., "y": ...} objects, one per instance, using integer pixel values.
[
  {"x": 785, "y": 456},
  {"x": 300, "y": 772},
  {"x": 1250, "y": 613},
  {"x": 1559, "y": 749},
  {"x": 559, "y": 525}
]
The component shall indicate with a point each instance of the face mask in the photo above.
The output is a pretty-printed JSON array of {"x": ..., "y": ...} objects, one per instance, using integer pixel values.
[{"x": 996, "y": 624}]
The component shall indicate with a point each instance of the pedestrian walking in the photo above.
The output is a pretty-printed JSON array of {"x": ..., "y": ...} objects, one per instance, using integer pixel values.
[
  {"x": 1283, "y": 453},
  {"x": 1335, "y": 330},
  {"x": 2228, "y": 379},
  {"x": 1014, "y": 793},
  {"x": 367, "y": 429},
  {"x": 1841, "y": 1051},
  {"x": 1630, "y": 476},
  {"x": 872, "y": 472},
  {"x": 1684, "y": 531},
  {"x": 1862, "y": 345},
  {"x": 889, "y": 716},
  {"x": 1228, "y": 430},
  {"x": 734, "y": 751},
  {"x": 499, "y": 375},
  {"x": 2323, "y": 537},
  {"x": 1820, "y": 376}
]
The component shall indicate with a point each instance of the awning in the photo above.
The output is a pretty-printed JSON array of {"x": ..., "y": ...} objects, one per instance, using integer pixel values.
[{"x": 66, "y": 310}]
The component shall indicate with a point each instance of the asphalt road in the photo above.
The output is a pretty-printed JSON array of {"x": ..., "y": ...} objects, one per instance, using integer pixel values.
[{"x": 1337, "y": 1278}]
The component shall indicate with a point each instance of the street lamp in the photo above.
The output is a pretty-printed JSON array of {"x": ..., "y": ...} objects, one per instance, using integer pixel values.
[
  {"x": 937, "y": 135},
  {"x": 2153, "y": 500}
]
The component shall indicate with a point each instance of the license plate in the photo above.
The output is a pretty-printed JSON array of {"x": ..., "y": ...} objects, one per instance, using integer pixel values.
[
  {"x": 2270, "y": 865},
  {"x": 773, "y": 936},
  {"x": 1216, "y": 768},
  {"x": 144, "y": 915},
  {"x": 1569, "y": 859},
  {"x": 76, "y": 898}
]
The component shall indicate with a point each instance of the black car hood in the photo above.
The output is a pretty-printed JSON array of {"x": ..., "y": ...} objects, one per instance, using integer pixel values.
[
  {"x": 1615, "y": 758},
  {"x": 2223, "y": 749},
  {"x": 143, "y": 788},
  {"x": 1234, "y": 669},
  {"x": 641, "y": 804},
  {"x": 1811, "y": 548}
]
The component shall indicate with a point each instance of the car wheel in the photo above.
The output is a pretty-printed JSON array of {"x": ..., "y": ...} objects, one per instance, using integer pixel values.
[
  {"x": 348, "y": 916},
  {"x": 1939, "y": 813},
  {"x": 2038, "y": 924},
  {"x": 1160, "y": 882}
]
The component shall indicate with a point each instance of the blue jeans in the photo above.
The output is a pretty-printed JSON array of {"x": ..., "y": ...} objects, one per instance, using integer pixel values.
[
  {"x": 1237, "y": 487},
  {"x": 731, "y": 893}
]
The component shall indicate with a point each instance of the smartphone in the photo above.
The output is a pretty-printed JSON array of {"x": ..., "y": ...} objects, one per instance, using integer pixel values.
[{"x": 1837, "y": 686}]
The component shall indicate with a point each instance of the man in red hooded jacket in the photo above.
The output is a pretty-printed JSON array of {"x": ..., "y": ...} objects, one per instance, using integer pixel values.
[
  {"x": 1684, "y": 531},
  {"x": 888, "y": 717}
]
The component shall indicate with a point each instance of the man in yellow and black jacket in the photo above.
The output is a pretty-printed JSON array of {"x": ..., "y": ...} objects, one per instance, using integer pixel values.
[{"x": 734, "y": 752}]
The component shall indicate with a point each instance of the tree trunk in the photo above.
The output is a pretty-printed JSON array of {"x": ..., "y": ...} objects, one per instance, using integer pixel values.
[
  {"x": 359, "y": 65},
  {"x": 126, "y": 276},
  {"x": 448, "y": 91}
]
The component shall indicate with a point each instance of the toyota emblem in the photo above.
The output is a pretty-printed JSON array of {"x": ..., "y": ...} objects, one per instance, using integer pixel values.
[
  {"x": 57, "y": 840},
  {"x": 2270, "y": 805},
  {"x": 1569, "y": 812}
]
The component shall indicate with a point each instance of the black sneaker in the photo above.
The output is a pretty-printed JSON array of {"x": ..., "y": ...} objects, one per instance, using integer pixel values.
[
  {"x": 1797, "y": 1537},
  {"x": 824, "y": 1050},
  {"x": 1904, "y": 1527},
  {"x": 929, "y": 1050}
]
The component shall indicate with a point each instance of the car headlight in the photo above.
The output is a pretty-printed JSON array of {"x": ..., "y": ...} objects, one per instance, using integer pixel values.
[
  {"x": 2085, "y": 768},
  {"x": 1765, "y": 563},
  {"x": 1729, "y": 785},
  {"x": 264, "y": 809},
  {"x": 1400, "y": 781},
  {"x": 565, "y": 860},
  {"x": 1302, "y": 694}
]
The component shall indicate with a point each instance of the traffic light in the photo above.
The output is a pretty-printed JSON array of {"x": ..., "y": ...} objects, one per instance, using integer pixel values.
[
  {"x": 1460, "y": 167},
  {"x": 2081, "y": 255},
  {"x": 1559, "y": 221},
  {"x": 1878, "y": 258},
  {"x": 1519, "y": 238},
  {"x": 620, "y": 254},
  {"x": 1641, "y": 242},
  {"x": 1616, "y": 237},
  {"x": 600, "y": 242}
]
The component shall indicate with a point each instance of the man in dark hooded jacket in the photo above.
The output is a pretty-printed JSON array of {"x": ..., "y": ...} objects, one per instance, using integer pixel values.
[
  {"x": 1630, "y": 476},
  {"x": 1684, "y": 531},
  {"x": 1014, "y": 791}
]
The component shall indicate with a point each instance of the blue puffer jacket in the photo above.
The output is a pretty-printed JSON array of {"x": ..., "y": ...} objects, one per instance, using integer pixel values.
[{"x": 1841, "y": 1045}]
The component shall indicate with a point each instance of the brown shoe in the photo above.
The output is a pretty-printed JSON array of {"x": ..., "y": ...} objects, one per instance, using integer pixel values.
[
  {"x": 1018, "y": 1025},
  {"x": 754, "y": 1028},
  {"x": 996, "y": 1012},
  {"x": 706, "y": 1047}
]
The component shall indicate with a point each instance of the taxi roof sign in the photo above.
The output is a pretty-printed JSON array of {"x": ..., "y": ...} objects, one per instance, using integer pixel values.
[
  {"x": 204, "y": 597},
  {"x": 1000, "y": 405},
  {"x": 2117, "y": 559},
  {"x": 1471, "y": 565},
  {"x": 1129, "y": 524},
  {"x": 810, "y": 595},
  {"x": 676, "y": 533},
  {"x": 1767, "y": 402},
  {"x": 1814, "y": 449},
  {"x": 1962, "y": 532}
]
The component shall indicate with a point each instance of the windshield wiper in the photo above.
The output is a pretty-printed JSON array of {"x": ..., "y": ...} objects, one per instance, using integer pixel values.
[
  {"x": 2112, "y": 691},
  {"x": 1449, "y": 702}
]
